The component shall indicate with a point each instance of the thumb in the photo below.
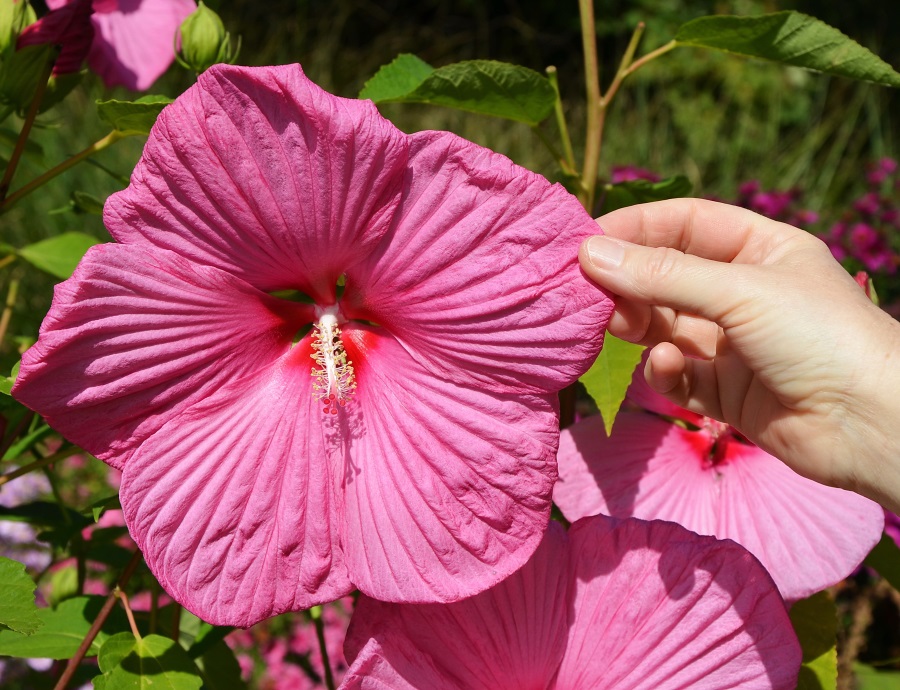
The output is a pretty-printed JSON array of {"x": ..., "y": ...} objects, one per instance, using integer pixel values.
[{"x": 663, "y": 276}]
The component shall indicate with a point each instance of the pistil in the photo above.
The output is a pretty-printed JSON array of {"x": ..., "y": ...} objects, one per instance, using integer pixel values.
[{"x": 334, "y": 381}]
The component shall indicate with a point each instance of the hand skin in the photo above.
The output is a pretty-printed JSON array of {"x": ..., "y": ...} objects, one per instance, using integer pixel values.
[{"x": 754, "y": 323}]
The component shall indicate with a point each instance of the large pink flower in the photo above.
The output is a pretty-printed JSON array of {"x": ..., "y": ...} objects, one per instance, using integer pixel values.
[
  {"x": 709, "y": 479},
  {"x": 615, "y": 604},
  {"x": 134, "y": 39},
  {"x": 405, "y": 443}
]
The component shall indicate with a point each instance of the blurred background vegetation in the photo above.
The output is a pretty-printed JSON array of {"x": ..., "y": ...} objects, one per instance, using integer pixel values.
[{"x": 719, "y": 119}]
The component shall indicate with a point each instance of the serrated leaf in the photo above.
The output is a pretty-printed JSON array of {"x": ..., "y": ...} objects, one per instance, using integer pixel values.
[
  {"x": 643, "y": 191},
  {"x": 17, "y": 608},
  {"x": 608, "y": 379},
  {"x": 486, "y": 87},
  {"x": 153, "y": 661},
  {"x": 62, "y": 630},
  {"x": 815, "y": 622},
  {"x": 885, "y": 560},
  {"x": 869, "y": 678},
  {"x": 790, "y": 38},
  {"x": 132, "y": 117},
  {"x": 396, "y": 79},
  {"x": 58, "y": 255}
]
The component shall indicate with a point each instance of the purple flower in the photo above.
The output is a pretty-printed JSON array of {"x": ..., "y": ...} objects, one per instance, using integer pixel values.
[
  {"x": 612, "y": 604},
  {"x": 393, "y": 428}
]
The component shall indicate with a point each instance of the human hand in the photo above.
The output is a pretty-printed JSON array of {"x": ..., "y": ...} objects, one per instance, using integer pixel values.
[{"x": 753, "y": 322}]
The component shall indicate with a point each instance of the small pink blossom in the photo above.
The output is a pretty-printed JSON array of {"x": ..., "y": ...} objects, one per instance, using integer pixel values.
[
  {"x": 709, "y": 479},
  {"x": 395, "y": 427},
  {"x": 613, "y": 604},
  {"x": 133, "y": 39}
]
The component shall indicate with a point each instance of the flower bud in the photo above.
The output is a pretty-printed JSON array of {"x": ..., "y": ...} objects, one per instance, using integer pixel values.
[{"x": 204, "y": 41}]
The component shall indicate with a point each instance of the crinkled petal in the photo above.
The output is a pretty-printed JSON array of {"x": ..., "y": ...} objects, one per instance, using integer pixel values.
[
  {"x": 511, "y": 636},
  {"x": 135, "y": 40},
  {"x": 261, "y": 173},
  {"x": 656, "y": 607},
  {"x": 235, "y": 504},
  {"x": 479, "y": 277},
  {"x": 134, "y": 338},
  {"x": 448, "y": 488},
  {"x": 807, "y": 535}
]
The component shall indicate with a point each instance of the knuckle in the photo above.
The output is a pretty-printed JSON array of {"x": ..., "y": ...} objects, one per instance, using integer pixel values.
[{"x": 660, "y": 265}]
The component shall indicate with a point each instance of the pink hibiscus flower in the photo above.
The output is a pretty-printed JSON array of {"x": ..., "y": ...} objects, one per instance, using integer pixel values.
[
  {"x": 134, "y": 39},
  {"x": 395, "y": 426},
  {"x": 615, "y": 604},
  {"x": 69, "y": 28},
  {"x": 706, "y": 477}
]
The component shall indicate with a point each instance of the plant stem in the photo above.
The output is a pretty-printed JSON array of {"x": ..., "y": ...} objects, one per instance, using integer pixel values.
[
  {"x": 30, "y": 117},
  {"x": 560, "y": 161},
  {"x": 38, "y": 182},
  {"x": 623, "y": 66},
  {"x": 39, "y": 463},
  {"x": 316, "y": 614},
  {"x": 561, "y": 122},
  {"x": 592, "y": 92},
  {"x": 124, "y": 599},
  {"x": 98, "y": 623},
  {"x": 652, "y": 55},
  {"x": 8, "y": 307}
]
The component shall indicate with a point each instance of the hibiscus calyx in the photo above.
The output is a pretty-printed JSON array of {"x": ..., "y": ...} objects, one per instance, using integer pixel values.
[{"x": 334, "y": 381}]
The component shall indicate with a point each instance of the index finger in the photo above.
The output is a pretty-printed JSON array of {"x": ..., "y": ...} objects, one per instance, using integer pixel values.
[{"x": 708, "y": 229}]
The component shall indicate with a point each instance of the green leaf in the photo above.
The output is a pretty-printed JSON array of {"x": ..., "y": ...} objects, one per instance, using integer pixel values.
[
  {"x": 790, "y": 38},
  {"x": 885, "y": 560},
  {"x": 62, "y": 630},
  {"x": 58, "y": 255},
  {"x": 815, "y": 622},
  {"x": 397, "y": 79},
  {"x": 220, "y": 668},
  {"x": 486, "y": 87},
  {"x": 104, "y": 504},
  {"x": 28, "y": 441},
  {"x": 608, "y": 379},
  {"x": 61, "y": 523},
  {"x": 63, "y": 585},
  {"x": 132, "y": 117},
  {"x": 7, "y": 382},
  {"x": 17, "y": 609},
  {"x": 151, "y": 662},
  {"x": 642, "y": 191},
  {"x": 869, "y": 678}
]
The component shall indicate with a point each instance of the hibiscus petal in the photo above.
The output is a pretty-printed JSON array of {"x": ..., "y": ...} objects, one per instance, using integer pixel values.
[
  {"x": 479, "y": 276},
  {"x": 263, "y": 174},
  {"x": 511, "y": 636},
  {"x": 134, "y": 338},
  {"x": 448, "y": 490},
  {"x": 135, "y": 40},
  {"x": 235, "y": 504},
  {"x": 656, "y": 607}
]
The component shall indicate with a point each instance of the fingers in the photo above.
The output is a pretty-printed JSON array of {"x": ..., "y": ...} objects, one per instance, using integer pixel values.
[{"x": 649, "y": 324}]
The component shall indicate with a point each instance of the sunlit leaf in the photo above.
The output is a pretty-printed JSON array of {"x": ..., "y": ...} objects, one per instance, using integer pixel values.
[
  {"x": 396, "y": 79},
  {"x": 643, "y": 191},
  {"x": 17, "y": 608},
  {"x": 815, "y": 622},
  {"x": 790, "y": 38},
  {"x": 608, "y": 379},
  {"x": 58, "y": 255},
  {"x": 132, "y": 117},
  {"x": 153, "y": 661}
]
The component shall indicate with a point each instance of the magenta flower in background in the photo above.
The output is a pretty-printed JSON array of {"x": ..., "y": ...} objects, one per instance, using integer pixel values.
[
  {"x": 69, "y": 27},
  {"x": 396, "y": 428},
  {"x": 133, "y": 39},
  {"x": 613, "y": 604},
  {"x": 709, "y": 479}
]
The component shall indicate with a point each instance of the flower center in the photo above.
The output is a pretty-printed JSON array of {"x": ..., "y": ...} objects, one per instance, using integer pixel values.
[{"x": 334, "y": 381}]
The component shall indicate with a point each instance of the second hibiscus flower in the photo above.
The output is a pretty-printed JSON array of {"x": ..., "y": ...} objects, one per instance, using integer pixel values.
[{"x": 393, "y": 426}]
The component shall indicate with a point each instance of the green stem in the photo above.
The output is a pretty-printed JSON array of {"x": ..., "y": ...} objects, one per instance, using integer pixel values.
[
  {"x": 560, "y": 161},
  {"x": 8, "y": 307},
  {"x": 88, "y": 640},
  {"x": 38, "y": 464},
  {"x": 38, "y": 182},
  {"x": 316, "y": 614},
  {"x": 30, "y": 117},
  {"x": 623, "y": 66},
  {"x": 128, "y": 612},
  {"x": 561, "y": 122},
  {"x": 592, "y": 91},
  {"x": 652, "y": 55}
]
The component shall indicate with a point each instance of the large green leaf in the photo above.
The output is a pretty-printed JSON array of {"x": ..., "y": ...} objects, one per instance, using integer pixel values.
[
  {"x": 153, "y": 661},
  {"x": 790, "y": 38},
  {"x": 815, "y": 622},
  {"x": 885, "y": 560},
  {"x": 17, "y": 609},
  {"x": 643, "y": 191},
  {"x": 58, "y": 255},
  {"x": 608, "y": 379},
  {"x": 869, "y": 678},
  {"x": 487, "y": 87},
  {"x": 132, "y": 117},
  {"x": 62, "y": 630}
]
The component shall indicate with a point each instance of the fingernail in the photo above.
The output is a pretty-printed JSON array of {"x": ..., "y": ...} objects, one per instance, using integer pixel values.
[{"x": 604, "y": 252}]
